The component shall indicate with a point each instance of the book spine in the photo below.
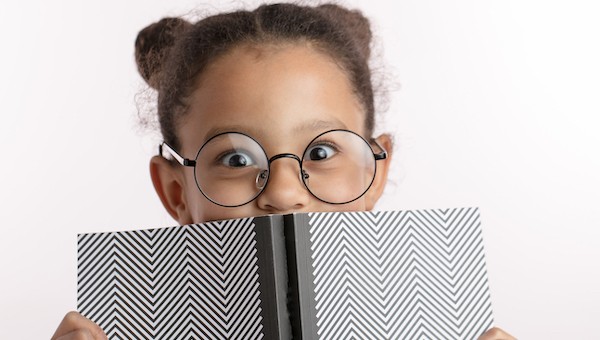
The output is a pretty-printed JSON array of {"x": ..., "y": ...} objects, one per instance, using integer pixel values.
[
  {"x": 301, "y": 297},
  {"x": 273, "y": 280}
]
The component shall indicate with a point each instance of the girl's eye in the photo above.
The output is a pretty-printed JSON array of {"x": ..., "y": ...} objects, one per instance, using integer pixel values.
[
  {"x": 237, "y": 160},
  {"x": 319, "y": 152}
]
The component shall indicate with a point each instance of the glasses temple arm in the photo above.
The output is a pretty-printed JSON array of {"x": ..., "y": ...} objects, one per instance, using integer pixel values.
[
  {"x": 175, "y": 154},
  {"x": 379, "y": 155}
]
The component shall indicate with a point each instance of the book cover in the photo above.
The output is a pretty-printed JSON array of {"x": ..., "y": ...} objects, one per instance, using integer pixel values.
[{"x": 416, "y": 274}]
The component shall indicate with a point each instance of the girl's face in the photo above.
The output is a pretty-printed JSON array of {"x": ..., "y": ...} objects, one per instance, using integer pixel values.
[{"x": 283, "y": 96}]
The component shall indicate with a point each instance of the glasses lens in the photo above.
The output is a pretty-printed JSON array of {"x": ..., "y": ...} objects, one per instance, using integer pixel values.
[
  {"x": 339, "y": 166},
  {"x": 231, "y": 169}
]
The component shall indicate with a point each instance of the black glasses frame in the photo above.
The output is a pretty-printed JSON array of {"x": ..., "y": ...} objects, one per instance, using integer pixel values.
[{"x": 303, "y": 175}]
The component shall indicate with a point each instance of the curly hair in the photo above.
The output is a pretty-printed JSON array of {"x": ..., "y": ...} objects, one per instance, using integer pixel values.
[{"x": 172, "y": 53}]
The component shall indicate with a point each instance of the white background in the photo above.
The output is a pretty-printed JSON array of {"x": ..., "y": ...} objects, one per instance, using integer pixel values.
[{"x": 494, "y": 104}]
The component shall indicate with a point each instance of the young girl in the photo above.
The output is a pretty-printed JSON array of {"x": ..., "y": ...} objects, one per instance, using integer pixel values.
[{"x": 262, "y": 112}]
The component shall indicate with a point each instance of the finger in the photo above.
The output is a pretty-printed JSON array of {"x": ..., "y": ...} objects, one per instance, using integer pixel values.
[
  {"x": 73, "y": 322},
  {"x": 79, "y": 334},
  {"x": 496, "y": 334}
]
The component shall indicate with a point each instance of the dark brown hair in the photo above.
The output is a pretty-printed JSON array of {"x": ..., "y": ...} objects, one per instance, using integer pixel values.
[{"x": 172, "y": 53}]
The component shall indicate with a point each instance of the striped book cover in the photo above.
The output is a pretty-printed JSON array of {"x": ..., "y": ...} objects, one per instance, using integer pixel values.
[{"x": 412, "y": 274}]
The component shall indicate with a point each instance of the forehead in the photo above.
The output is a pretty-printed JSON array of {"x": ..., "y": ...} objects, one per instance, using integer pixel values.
[{"x": 279, "y": 94}]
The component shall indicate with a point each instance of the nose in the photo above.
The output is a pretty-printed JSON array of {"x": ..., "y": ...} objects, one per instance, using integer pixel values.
[{"x": 284, "y": 191}]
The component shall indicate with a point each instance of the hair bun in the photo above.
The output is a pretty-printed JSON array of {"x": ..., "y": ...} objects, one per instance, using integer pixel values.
[
  {"x": 152, "y": 45},
  {"x": 355, "y": 24}
]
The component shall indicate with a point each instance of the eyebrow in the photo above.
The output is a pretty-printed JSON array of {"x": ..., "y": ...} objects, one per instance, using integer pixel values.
[
  {"x": 320, "y": 125},
  {"x": 227, "y": 128},
  {"x": 309, "y": 126}
]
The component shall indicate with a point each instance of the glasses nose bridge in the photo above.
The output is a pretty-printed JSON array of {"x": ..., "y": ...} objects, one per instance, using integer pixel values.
[
  {"x": 286, "y": 155},
  {"x": 292, "y": 156}
]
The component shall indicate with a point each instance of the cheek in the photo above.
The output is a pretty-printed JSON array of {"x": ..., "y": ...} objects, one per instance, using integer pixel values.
[
  {"x": 202, "y": 210},
  {"x": 358, "y": 205},
  {"x": 344, "y": 186},
  {"x": 199, "y": 208}
]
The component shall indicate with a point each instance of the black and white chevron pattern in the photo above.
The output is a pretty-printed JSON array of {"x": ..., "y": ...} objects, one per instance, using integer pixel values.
[
  {"x": 400, "y": 275},
  {"x": 191, "y": 282}
]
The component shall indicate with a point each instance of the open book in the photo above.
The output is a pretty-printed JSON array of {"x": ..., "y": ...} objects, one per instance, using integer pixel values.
[{"x": 364, "y": 275}]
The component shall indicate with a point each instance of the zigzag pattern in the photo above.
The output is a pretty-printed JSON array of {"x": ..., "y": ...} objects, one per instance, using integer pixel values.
[
  {"x": 400, "y": 275},
  {"x": 197, "y": 281}
]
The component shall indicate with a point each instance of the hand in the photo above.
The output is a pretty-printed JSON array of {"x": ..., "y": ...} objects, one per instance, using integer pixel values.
[
  {"x": 496, "y": 334},
  {"x": 75, "y": 326}
]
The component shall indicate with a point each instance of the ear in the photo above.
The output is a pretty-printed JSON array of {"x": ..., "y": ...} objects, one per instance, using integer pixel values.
[
  {"x": 170, "y": 186},
  {"x": 383, "y": 165}
]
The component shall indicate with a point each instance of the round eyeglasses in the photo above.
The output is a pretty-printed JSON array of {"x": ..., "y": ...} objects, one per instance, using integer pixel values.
[{"x": 232, "y": 169}]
